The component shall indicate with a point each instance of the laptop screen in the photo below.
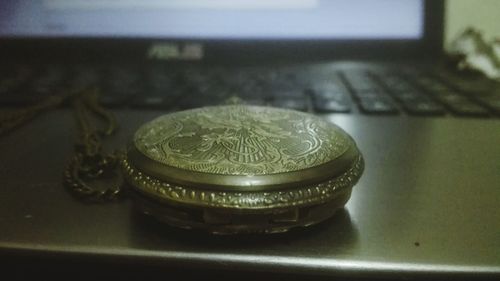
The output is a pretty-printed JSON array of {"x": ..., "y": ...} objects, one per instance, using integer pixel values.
[{"x": 217, "y": 19}]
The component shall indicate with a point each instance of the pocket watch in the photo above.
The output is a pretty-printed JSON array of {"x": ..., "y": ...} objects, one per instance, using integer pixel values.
[
  {"x": 241, "y": 169},
  {"x": 224, "y": 169}
]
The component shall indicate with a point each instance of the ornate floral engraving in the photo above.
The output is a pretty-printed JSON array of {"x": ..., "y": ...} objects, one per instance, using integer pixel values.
[{"x": 241, "y": 140}]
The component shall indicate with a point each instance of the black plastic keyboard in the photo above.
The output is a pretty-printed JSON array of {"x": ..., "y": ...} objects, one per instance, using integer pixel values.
[{"x": 374, "y": 92}]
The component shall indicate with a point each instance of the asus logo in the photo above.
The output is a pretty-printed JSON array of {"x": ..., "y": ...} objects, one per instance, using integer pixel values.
[{"x": 175, "y": 51}]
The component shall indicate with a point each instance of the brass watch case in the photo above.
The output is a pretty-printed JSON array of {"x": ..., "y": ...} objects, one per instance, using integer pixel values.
[{"x": 241, "y": 169}]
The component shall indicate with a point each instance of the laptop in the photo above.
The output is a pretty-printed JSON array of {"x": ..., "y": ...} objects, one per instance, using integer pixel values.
[{"x": 426, "y": 207}]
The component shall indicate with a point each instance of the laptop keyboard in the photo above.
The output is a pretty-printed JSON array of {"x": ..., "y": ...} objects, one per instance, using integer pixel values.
[{"x": 380, "y": 92}]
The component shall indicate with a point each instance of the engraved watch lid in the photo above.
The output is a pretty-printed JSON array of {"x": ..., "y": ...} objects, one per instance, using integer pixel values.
[
  {"x": 241, "y": 148},
  {"x": 241, "y": 169}
]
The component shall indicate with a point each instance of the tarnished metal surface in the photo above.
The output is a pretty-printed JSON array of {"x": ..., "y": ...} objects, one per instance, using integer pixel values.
[
  {"x": 242, "y": 148},
  {"x": 241, "y": 140},
  {"x": 243, "y": 168}
]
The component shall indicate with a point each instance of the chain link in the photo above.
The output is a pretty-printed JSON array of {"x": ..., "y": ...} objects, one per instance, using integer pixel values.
[{"x": 91, "y": 174}]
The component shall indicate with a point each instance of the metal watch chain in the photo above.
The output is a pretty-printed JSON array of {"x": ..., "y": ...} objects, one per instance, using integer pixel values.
[{"x": 92, "y": 174}]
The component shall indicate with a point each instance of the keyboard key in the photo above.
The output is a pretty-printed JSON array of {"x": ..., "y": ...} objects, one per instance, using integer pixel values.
[
  {"x": 468, "y": 108},
  {"x": 328, "y": 100},
  {"x": 291, "y": 103},
  {"x": 369, "y": 94},
  {"x": 329, "y": 93},
  {"x": 359, "y": 81},
  {"x": 408, "y": 95},
  {"x": 492, "y": 102},
  {"x": 460, "y": 105},
  {"x": 378, "y": 105},
  {"x": 327, "y": 87},
  {"x": 455, "y": 101},
  {"x": 477, "y": 85},
  {"x": 332, "y": 105},
  {"x": 395, "y": 83},
  {"x": 423, "y": 106},
  {"x": 431, "y": 84}
]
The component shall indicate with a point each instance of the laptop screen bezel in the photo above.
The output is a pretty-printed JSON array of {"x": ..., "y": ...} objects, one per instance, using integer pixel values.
[{"x": 430, "y": 45}]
